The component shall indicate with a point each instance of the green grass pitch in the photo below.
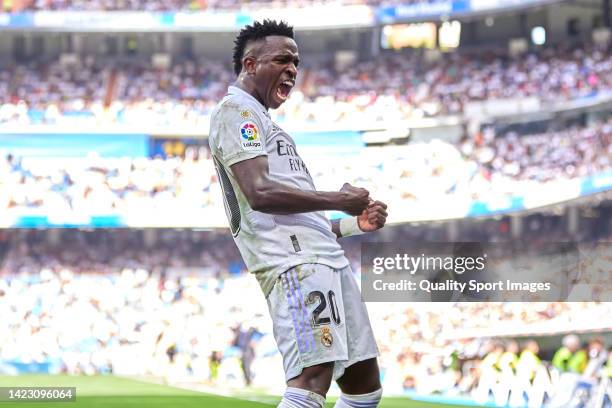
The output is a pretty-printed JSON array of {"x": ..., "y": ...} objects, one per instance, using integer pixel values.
[{"x": 116, "y": 392}]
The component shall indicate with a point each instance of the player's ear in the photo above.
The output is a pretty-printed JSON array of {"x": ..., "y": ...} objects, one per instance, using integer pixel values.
[{"x": 249, "y": 63}]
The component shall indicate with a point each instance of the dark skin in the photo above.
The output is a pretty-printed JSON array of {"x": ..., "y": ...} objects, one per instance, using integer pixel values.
[
  {"x": 269, "y": 196},
  {"x": 265, "y": 66}
]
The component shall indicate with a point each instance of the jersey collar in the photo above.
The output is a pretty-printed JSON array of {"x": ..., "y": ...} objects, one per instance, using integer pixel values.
[{"x": 234, "y": 90}]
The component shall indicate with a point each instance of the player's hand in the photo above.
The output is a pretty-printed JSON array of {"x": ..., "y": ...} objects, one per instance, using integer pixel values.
[
  {"x": 373, "y": 217},
  {"x": 354, "y": 200}
]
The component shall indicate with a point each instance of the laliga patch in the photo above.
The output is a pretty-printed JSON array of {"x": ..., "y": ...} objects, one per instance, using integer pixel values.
[{"x": 249, "y": 135}]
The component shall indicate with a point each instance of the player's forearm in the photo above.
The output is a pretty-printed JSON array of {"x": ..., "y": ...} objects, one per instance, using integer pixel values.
[
  {"x": 277, "y": 198},
  {"x": 267, "y": 195}
]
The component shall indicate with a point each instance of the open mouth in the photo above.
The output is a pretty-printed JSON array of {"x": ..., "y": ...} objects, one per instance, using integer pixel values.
[{"x": 284, "y": 88}]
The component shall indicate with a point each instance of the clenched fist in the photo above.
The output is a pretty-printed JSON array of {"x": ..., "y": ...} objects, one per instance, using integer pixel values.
[
  {"x": 354, "y": 199},
  {"x": 373, "y": 217}
]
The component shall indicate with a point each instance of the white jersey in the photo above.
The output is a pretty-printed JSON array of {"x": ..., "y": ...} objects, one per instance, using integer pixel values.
[{"x": 270, "y": 244}]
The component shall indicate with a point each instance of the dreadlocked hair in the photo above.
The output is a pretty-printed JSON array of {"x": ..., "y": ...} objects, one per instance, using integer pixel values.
[{"x": 255, "y": 32}]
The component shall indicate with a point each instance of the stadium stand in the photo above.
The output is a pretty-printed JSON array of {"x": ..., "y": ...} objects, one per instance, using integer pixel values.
[
  {"x": 421, "y": 172},
  {"x": 391, "y": 87},
  {"x": 98, "y": 302},
  {"x": 191, "y": 5},
  {"x": 507, "y": 127}
]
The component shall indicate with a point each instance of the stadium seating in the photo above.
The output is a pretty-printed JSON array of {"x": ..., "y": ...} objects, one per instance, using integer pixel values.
[
  {"x": 118, "y": 302},
  {"x": 392, "y": 87},
  {"x": 190, "y": 5},
  {"x": 422, "y": 173}
]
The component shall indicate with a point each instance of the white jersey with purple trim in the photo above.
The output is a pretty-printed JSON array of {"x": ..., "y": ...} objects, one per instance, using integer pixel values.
[{"x": 242, "y": 129}]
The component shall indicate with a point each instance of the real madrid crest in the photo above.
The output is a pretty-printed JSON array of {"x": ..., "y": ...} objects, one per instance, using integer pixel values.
[{"x": 326, "y": 337}]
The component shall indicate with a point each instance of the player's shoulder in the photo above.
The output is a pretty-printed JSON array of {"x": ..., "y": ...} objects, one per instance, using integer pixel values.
[{"x": 237, "y": 108}]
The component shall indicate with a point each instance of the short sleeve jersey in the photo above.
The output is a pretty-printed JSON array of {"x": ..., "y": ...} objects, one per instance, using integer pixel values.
[{"x": 242, "y": 129}]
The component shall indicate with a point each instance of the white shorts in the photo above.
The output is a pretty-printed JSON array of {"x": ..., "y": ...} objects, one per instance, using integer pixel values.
[{"x": 318, "y": 317}]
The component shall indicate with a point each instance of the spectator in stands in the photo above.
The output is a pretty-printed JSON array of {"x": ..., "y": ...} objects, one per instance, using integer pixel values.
[
  {"x": 608, "y": 368},
  {"x": 490, "y": 364},
  {"x": 571, "y": 357},
  {"x": 509, "y": 359},
  {"x": 528, "y": 362},
  {"x": 597, "y": 357},
  {"x": 215, "y": 362},
  {"x": 606, "y": 383}
]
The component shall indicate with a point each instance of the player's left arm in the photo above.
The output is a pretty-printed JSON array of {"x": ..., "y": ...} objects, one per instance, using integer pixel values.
[{"x": 371, "y": 219}]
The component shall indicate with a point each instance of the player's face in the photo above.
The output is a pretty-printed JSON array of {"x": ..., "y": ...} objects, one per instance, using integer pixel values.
[{"x": 276, "y": 70}]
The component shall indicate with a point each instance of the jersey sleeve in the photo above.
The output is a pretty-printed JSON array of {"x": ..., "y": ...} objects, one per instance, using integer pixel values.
[{"x": 238, "y": 134}]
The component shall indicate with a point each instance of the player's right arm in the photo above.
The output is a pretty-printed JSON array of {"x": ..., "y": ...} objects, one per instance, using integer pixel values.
[
  {"x": 238, "y": 138},
  {"x": 269, "y": 196}
]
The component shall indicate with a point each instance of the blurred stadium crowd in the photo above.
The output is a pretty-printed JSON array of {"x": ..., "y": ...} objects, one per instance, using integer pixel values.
[
  {"x": 392, "y": 87},
  {"x": 194, "y": 5},
  {"x": 419, "y": 173},
  {"x": 181, "y": 305},
  {"x": 102, "y": 185},
  {"x": 178, "y": 304}
]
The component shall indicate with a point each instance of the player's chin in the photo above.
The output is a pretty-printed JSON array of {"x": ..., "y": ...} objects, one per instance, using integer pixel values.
[
  {"x": 278, "y": 98},
  {"x": 275, "y": 103}
]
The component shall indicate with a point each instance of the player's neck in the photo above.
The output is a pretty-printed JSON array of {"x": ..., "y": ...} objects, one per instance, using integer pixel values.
[{"x": 248, "y": 86}]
